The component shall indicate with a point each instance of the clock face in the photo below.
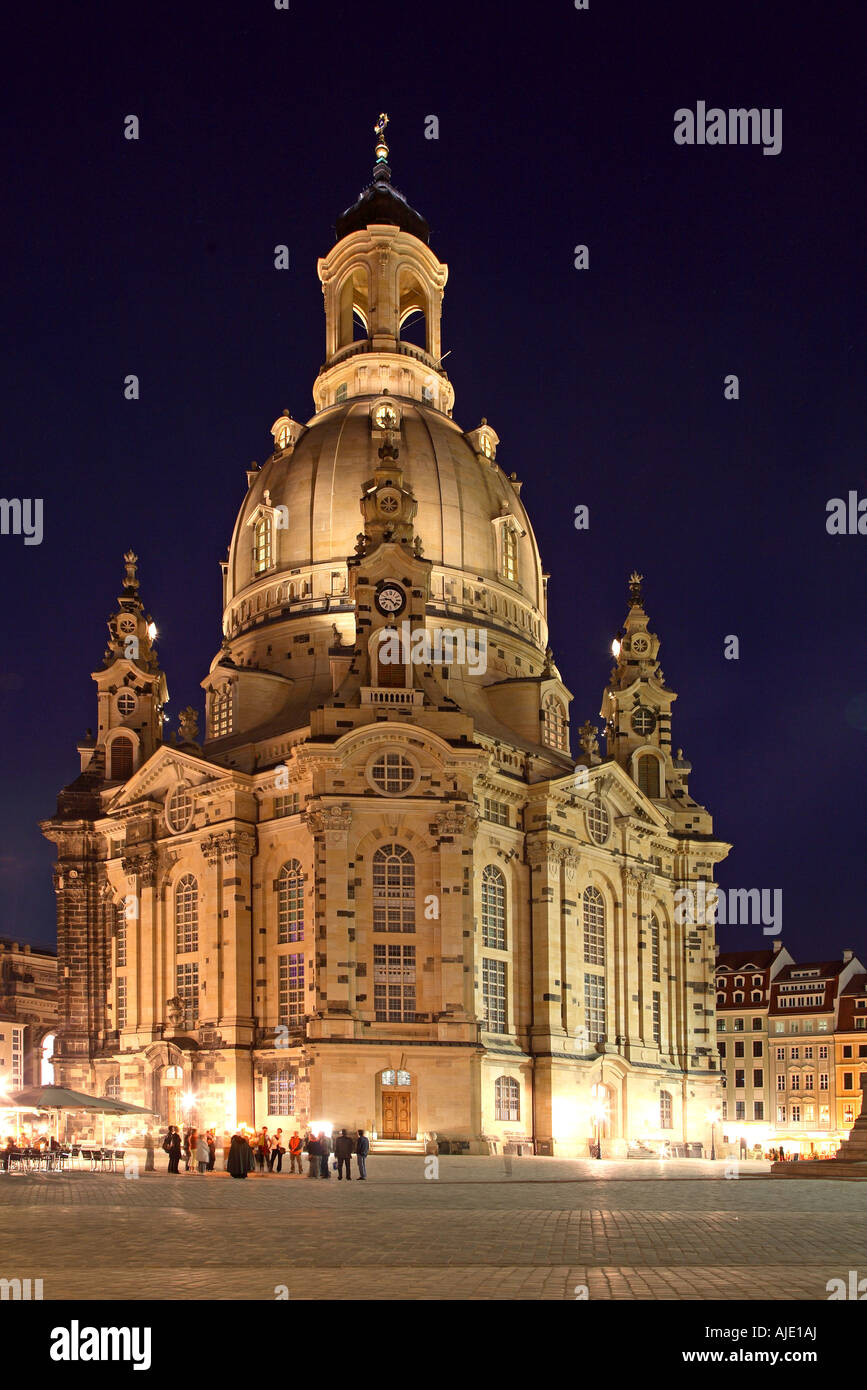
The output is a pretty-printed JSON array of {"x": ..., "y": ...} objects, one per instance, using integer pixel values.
[
  {"x": 640, "y": 645},
  {"x": 385, "y": 416},
  {"x": 643, "y": 720},
  {"x": 126, "y": 625},
  {"x": 390, "y": 599},
  {"x": 388, "y": 503}
]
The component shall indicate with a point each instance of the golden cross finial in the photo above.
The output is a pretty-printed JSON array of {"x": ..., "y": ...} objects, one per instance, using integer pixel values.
[
  {"x": 379, "y": 131},
  {"x": 379, "y": 128}
]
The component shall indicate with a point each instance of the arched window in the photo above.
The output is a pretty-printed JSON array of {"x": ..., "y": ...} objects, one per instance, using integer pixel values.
[
  {"x": 507, "y": 1098},
  {"x": 654, "y": 948},
  {"x": 121, "y": 759},
  {"x": 262, "y": 545},
  {"x": 493, "y": 908},
  {"x": 666, "y": 1120},
  {"x": 290, "y": 903},
  {"x": 120, "y": 932},
  {"x": 594, "y": 927},
  {"x": 554, "y": 724},
  {"x": 221, "y": 712},
  {"x": 510, "y": 553},
  {"x": 187, "y": 915},
  {"x": 393, "y": 889},
  {"x": 112, "y": 1088},
  {"x": 648, "y": 775}
]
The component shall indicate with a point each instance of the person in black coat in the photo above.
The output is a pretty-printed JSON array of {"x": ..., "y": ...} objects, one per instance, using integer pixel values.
[
  {"x": 362, "y": 1149},
  {"x": 240, "y": 1159},
  {"x": 324, "y": 1143},
  {"x": 343, "y": 1147},
  {"x": 172, "y": 1146},
  {"x": 313, "y": 1151}
]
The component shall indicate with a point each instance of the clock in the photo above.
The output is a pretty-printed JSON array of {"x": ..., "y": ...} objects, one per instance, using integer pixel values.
[
  {"x": 640, "y": 645},
  {"x": 385, "y": 417},
  {"x": 390, "y": 598},
  {"x": 126, "y": 625},
  {"x": 388, "y": 503}
]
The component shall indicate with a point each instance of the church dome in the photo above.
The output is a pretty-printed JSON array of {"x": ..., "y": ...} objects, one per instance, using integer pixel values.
[{"x": 313, "y": 490}]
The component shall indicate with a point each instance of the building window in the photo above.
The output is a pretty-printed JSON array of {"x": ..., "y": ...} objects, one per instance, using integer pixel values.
[
  {"x": 125, "y": 703},
  {"x": 496, "y": 811},
  {"x": 757, "y": 1025},
  {"x": 781, "y": 1081},
  {"x": 510, "y": 553},
  {"x": 262, "y": 545},
  {"x": 823, "y": 1052},
  {"x": 287, "y": 805},
  {"x": 507, "y": 1098},
  {"x": 847, "y": 1049},
  {"x": 740, "y": 1110},
  {"x": 394, "y": 983},
  {"x": 654, "y": 949},
  {"x": 120, "y": 935},
  {"x": 554, "y": 727},
  {"x": 281, "y": 1093},
  {"x": 739, "y": 1049},
  {"x": 848, "y": 1114},
  {"x": 795, "y": 1082},
  {"x": 290, "y": 903},
  {"x": 666, "y": 1120},
  {"x": 392, "y": 773},
  {"x": 648, "y": 775},
  {"x": 720, "y": 1025},
  {"x": 179, "y": 809},
  {"x": 824, "y": 1114},
  {"x": 758, "y": 1110},
  {"x": 739, "y": 1078},
  {"x": 721, "y": 1047},
  {"x": 808, "y": 1054},
  {"x": 796, "y": 1114},
  {"x": 494, "y": 994},
  {"x": 120, "y": 1002},
  {"x": 594, "y": 927},
  {"x": 221, "y": 713},
  {"x": 757, "y": 1049},
  {"x": 823, "y": 1081},
  {"x": 848, "y": 1081},
  {"x": 493, "y": 908},
  {"x": 657, "y": 1018},
  {"x": 340, "y": 394},
  {"x": 188, "y": 991},
  {"x": 796, "y": 1054},
  {"x": 121, "y": 753},
  {"x": 758, "y": 1078},
  {"x": 112, "y": 1088},
  {"x": 594, "y": 1006},
  {"x": 186, "y": 915},
  {"x": 393, "y": 889},
  {"x": 781, "y": 1114},
  {"x": 290, "y": 983}
]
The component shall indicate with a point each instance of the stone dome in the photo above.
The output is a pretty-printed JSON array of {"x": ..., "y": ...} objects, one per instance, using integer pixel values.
[{"x": 461, "y": 496}]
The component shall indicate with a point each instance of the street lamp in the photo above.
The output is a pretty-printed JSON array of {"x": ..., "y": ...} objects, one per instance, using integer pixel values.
[
  {"x": 598, "y": 1110},
  {"x": 713, "y": 1117}
]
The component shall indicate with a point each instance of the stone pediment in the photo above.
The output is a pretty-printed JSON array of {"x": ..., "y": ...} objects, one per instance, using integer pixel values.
[
  {"x": 624, "y": 796},
  {"x": 161, "y": 774}
]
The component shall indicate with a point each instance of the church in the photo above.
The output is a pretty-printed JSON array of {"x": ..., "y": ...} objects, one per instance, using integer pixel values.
[{"x": 388, "y": 886}]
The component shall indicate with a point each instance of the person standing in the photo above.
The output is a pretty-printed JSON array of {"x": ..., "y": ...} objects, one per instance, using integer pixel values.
[
  {"x": 172, "y": 1146},
  {"x": 203, "y": 1153},
  {"x": 313, "y": 1150},
  {"x": 362, "y": 1149},
  {"x": 212, "y": 1149},
  {"x": 343, "y": 1154},
  {"x": 324, "y": 1154},
  {"x": 295, "y": 1152},
  {"x": 240, "y": 1159},
  {"x": 263, "y": 1148},
  {"x": 149, "y": 1150},
  {"x": 188, "y": 1133},
  {"x": 277, "y": 1152}
]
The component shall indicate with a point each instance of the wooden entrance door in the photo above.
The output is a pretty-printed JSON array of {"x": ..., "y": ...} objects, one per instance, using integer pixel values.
[{"x": 396, "y": 1115}]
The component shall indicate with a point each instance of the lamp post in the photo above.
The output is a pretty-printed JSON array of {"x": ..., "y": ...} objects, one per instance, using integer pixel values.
[
  {"x": 598, "y": 1111},
  {"x": 713, "y": 1117}
]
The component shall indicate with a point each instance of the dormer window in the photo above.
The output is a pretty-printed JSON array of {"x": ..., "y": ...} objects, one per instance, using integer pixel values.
[
  {"x": 554, "y": 726},
  {"x": 510, "y": 553},
  {"x": 262, "y": 557},
  {"x": 221, "y": 712}
]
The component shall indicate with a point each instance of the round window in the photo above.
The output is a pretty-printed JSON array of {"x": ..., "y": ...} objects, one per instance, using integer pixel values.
[
  {"x": 125, "y": 703},
  {"x": 392, "y": 773},
  {"x": 598, "y": 823},
  {"x": 179, "y": 809},
  {"x": 643, "y": 720}
]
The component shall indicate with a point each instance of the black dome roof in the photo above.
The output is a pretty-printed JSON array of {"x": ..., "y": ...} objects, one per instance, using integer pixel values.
[{"x": 381, "y": 203}]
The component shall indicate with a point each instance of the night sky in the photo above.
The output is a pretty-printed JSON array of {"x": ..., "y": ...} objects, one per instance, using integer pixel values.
[{"x": 605, "y": 386}]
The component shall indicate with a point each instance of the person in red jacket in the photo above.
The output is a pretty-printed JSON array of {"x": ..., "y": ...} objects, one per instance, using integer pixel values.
[{"x": 296, "y": 1153}]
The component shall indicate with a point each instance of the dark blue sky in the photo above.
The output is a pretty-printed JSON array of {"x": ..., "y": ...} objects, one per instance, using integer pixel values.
[{"x": 606, "y": 387}]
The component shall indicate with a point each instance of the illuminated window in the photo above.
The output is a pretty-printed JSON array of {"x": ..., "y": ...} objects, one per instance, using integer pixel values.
[
  {"x": 281, "y": 1093},
  {"x": 392, "y": 773},
  {"x": 394, "y": 984},
  {"x": 290, "y": 903},
  {"x": 554, "y": 726},
  {"x": 112, "y": 1088},
  {"x": 507, "y": 1098},
  {"x": 187, "y": 915},
  {"x": 494, "y": 994},
  {"x": 262, "y": 545},
  {"x": 656, "y": 1017},
  {"x": 654, "y": 948},
  {"x": 188, "y": 991},
  {"x": 121, "y": 752},
  {"x": 598, "y": 823},
  {"x": 290, "y": 988},
  {"x": 179, "y": 809},
  {"x": 393, "y": 889},
  {"x": 493, "y": 908},
  {"x": 120, "y": 934},
  {"x": 120, "y": 1002},
  {"x": 221, "y": 712},
  {"x": 666, "y": 1110},
  {"x": 781, "y": 1114},
  {"x": 848, "y": 1114},
  {"x": 510, "y": 553},
  {"x": 594, "y": 927},
  {"x": 594, "y": 1006}
]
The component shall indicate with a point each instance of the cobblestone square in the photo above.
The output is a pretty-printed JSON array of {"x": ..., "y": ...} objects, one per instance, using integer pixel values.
[{"x": 484, "y": 1228}]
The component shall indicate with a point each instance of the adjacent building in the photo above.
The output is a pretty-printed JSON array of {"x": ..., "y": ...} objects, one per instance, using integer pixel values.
[{"x": 28, "y": 1014}]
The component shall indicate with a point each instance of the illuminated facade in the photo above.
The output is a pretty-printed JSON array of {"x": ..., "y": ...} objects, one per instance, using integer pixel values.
[
  {"x": 381, "y": 890},
  {"x": 28, "y": 1013}
]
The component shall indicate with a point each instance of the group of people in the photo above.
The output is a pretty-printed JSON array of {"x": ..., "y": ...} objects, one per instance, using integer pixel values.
[
  {"x": 262, "y": 1149},
  {"x": 198, "y": 1149}
]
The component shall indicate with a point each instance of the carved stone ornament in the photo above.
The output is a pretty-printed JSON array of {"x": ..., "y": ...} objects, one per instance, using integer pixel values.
[
  {"x": 141, "y": 866},
  {"x": 174, "y": 1011},
  {"x": 464, "y": 822},
  {"x": 324, "y": 818},
  {"x": 230, "y": 846},
  {"x": 553, "y": 855}
]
